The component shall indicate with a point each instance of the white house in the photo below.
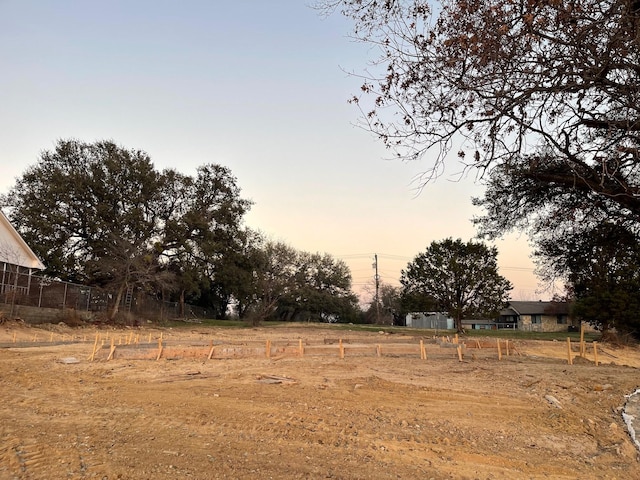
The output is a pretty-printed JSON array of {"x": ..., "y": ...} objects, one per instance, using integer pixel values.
[{"x": 15, "y": 258}]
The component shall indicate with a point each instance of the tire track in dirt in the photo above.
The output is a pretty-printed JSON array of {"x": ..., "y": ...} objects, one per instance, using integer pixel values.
[{"x": 25, "y": 459}]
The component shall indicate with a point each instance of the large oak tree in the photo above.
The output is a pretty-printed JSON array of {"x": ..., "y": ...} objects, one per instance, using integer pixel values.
[
  {"x": 102, "y": 215},
  {"x": 460, "y": 278}
]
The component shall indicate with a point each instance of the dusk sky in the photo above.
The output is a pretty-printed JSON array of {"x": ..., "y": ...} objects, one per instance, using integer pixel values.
[{"x": 257, "y": 86}]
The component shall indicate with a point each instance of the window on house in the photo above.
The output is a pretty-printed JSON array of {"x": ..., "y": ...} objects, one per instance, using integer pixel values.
[
  {"x": 536, "y": 318},
  {"x": 562, "y": 319}
]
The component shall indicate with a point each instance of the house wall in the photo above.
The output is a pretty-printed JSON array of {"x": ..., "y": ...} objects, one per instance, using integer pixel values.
[
  {"x": 13, "y": 249},
  {"x": 549, "y": 324}
]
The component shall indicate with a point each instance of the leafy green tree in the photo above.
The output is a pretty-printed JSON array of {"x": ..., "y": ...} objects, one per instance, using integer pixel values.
[
  {"x": 102, "y": 215},
  {"x": 239, "y": 272},
  {"x": 321, "y": 290},
  {"x": 602, "y": 268},
  {"x": 288, "y": 284},
  {"x": 462, "y": 279},
  {"x": 203, "y": 234},
  {"x": 89, "y": 211},
  {"x": 273, "y": 277}
]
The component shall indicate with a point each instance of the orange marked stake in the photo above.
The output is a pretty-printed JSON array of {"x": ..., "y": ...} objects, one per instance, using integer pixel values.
[
  {"x": 113, "y": 349},
  {"x": 95, "y": 349},
  {"x": 159, "y": 348}
]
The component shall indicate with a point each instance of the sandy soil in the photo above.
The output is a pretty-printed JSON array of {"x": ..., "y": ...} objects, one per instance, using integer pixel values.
[{"x": 528, "y": 416}]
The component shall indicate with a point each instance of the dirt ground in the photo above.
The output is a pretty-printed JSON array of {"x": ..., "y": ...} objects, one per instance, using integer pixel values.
[{"x": 527, "y": 416}]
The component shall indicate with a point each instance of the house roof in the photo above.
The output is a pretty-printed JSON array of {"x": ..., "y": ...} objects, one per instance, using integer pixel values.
[
  {"x": 536, "y": 308},
  {"x": 13, "y": 249}
]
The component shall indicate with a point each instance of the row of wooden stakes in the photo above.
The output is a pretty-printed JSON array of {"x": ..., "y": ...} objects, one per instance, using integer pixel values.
[{"x": 341, "y": 348}]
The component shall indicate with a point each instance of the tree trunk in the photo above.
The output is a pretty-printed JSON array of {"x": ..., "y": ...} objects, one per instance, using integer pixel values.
[
  {"x": 116, "y": 306},
  {"x": 181, "y": 312}
]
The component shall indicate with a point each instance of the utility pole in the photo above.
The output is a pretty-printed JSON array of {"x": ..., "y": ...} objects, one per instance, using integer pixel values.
[{"x": 377, "y": 279}]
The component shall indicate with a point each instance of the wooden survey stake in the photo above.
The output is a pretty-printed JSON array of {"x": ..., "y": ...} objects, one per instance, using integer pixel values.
[
  {"x": 423, "y": 351},
  {"x": 95, "y": 348},
  {"x": 112, "y": 351},
  {"x": 159, "y": 348}
]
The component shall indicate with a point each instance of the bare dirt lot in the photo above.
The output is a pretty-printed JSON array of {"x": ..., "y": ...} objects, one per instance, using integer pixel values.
[{"x": 528, "y": 416}]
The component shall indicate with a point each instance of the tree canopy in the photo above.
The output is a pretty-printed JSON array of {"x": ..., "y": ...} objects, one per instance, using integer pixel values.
[
  {"x": 541, "y": 98},
  {"x": 547, "y": 85},
  {"x": 102, "y": 215},
  {"x": 460, "y": 278},
  {"x": 602, "y": 268},
  {"x": 289, "y": 284}
]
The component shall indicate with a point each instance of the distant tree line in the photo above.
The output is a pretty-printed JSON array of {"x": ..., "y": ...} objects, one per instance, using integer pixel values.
[{"x": 102, "y": 215}]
